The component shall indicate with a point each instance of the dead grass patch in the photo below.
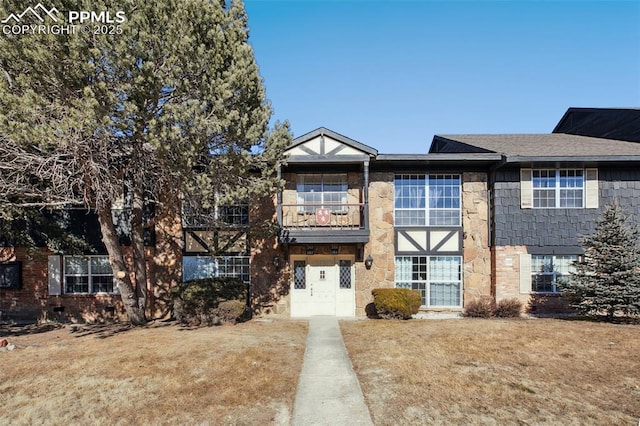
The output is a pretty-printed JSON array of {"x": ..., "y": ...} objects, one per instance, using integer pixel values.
[
  {"x": 244, "y": 374},
  {"x": 476, "y": 371}
]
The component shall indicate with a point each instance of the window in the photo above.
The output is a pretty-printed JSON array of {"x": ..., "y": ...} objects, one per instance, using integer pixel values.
[
  {"x": 345, "y": 274},
  {"x": 437, "y": 278},
  {"x": 235, "y": 214},
  {"x": 548, "y": 271},
  {"x": 558, "y": 188},
  {"x": 197, "y": 267},
  {"x": 10, "y": 275},
  {"x": 299, "y": 275},
  {"x": 322, "y": 190},
  {"x": 442, "y": 208},
  {"x": 88, "y": 275}
]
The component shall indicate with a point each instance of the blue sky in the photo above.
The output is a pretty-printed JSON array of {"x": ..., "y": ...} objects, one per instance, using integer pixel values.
[{"x": 391, "y": 74}]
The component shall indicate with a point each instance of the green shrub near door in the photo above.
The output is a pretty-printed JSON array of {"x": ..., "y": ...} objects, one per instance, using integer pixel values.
[
  {"x": 398, "y": 303},
  {"x": 210, "y": 301}
]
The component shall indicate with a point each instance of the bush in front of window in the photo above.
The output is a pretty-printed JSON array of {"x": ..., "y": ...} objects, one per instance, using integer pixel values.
[
  {"x": 396, "y": 303},
  {"x": 479, "y": 308},
  {"x": 508, "y": 308},
  {"x": 209, "y": 301},
  {"x": 486, "y": 308},
  {"x": 231, "y": 311}
]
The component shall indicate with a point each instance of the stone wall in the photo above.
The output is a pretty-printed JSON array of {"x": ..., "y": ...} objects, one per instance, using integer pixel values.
[
  {"x": 475, "y": 226},
  {"x": 381, "y": 242}
]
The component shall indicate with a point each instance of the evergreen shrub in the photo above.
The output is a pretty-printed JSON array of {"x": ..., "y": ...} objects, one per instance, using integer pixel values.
[
  {"x": 209, "y": 301},
  {"x": 606, "y": 281},
  {"x": 396, "y": 303}
]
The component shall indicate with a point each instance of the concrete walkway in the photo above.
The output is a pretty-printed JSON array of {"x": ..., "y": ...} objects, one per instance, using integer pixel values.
[{"x": 328, "y": 390}]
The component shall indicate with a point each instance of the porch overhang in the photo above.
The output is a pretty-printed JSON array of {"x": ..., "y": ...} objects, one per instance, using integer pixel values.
[{"x": 321, "y": 236}]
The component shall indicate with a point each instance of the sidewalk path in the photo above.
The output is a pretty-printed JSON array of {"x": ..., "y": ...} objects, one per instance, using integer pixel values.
[{"x": 328, "y": 390}]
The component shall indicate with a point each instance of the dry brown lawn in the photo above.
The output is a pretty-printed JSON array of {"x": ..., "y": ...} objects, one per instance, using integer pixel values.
[
  {"x": 470, "y": 371},
  {"x": 412, "y": 373},
  {"x": 161, "y": 374}
]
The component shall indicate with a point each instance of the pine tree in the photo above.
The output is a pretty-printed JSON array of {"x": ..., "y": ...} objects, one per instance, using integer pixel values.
[
  {"x": 172, "y": 108},
  {"x": 607, "y": 278}
]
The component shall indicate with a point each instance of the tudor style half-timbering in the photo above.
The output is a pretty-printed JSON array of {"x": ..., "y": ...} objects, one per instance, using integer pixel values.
[
  {"x": 353, "y": 220},
  {"x": 478, "y": 216},
  {"x": 324, "y": 218}
]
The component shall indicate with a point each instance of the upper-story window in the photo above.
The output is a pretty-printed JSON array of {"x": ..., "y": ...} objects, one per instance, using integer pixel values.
[
  {"x": 432, "y": 200},
  {"x": 558, "y": 188},
  {"x": 322, "y": 190},
  {"x": 236, "y": 214}
]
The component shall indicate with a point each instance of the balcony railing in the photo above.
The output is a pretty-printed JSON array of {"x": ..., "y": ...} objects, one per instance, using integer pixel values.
[{"x": 324, "y": 216}]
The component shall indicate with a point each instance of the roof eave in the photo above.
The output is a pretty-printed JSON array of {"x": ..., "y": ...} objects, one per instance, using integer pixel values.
[
  {"x": 573, "y": 159},
  {"x": 322, "y": 131}
]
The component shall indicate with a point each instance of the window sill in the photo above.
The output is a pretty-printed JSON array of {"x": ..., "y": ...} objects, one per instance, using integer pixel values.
[{"x": 88, "y": 295}]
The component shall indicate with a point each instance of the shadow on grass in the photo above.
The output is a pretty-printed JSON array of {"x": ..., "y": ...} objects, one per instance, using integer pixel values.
[
  {"x": 103, "y": 331},
  {"x": 604, "y": 319},
  {"x": 22, "y": 330},
  {"x": 618, "y": 319}
]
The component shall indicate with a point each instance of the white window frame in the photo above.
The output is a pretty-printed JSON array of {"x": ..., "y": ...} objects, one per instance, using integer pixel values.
[
  {"x": 322, "y": 180},
  {"x": 90, "y": 275},
  {"x": 552, "y": 272},
  {"x": 220, "y": 266},
  {"x": 424, "y": 200},
  {"x": 557, "y": 188},
  {"x": 421, "y": 267}
]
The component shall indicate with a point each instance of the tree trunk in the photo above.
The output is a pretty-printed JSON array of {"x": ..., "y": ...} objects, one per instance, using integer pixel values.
[
  {"x": 121, "y": 274},
  {"x": 137, "y": 243}
]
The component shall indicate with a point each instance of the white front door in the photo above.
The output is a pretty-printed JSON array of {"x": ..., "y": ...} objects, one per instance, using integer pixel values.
[{"x": 322, "y": 285}]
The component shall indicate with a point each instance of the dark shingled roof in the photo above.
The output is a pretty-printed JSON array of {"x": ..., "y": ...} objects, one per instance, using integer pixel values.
[
  {"x": 543, "y": 145},
  {"x": 610, "y": 123}
]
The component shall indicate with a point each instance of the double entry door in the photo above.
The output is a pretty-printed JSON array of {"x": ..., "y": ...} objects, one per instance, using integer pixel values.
[{"x": 322, "y": 285}]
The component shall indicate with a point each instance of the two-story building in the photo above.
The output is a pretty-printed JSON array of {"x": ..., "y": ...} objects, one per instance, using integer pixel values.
[{"x": 493, "y": 216}]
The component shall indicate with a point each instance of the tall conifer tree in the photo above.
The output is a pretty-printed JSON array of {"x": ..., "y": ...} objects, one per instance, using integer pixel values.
[
  {"x": 607, "y": 278},
  {"x": 171, "y": 107}
]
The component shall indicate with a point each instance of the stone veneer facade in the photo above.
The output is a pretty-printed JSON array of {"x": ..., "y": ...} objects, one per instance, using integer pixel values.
[
  {"x": 476, "y": 269},
  {"x": 381, "y": 242},
  {"x": 381, "y": 246}
]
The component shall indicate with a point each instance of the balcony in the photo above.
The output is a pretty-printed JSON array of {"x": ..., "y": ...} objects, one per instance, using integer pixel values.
[{"x": 324, "y": 223}]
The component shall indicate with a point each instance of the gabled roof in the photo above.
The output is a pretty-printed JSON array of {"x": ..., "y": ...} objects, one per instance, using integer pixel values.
[
  {"x": 609, "y": 123},
  {"x": 325, "y": 142},
  {"x": 539, "y": 147}
]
